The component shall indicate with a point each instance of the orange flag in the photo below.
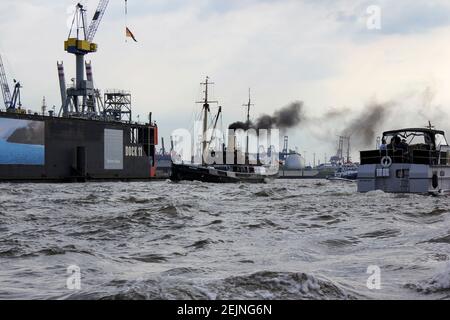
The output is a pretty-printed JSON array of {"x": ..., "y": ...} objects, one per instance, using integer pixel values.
[{"x": 129, "y": 34}]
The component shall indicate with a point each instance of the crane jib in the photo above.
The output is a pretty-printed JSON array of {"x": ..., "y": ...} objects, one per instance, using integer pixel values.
[
  {"x": 96, "y": 19},
  {"x": 96, "y": 15},
  {"x": 4, "y": 85}
]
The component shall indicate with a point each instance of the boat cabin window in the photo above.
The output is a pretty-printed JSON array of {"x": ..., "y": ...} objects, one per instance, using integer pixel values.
[
  {"x": 412, "y": 139},
  {"x": 420, "y": 140}
]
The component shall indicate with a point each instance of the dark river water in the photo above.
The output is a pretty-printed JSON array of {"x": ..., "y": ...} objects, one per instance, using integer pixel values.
[{"x": 284, "y": 240}]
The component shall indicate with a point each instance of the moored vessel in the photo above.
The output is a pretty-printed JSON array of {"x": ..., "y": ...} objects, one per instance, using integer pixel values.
[{"x": 345, "y": 172}]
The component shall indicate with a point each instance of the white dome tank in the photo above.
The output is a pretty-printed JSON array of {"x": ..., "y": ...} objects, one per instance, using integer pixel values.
[{"x": 294, "y": 162}]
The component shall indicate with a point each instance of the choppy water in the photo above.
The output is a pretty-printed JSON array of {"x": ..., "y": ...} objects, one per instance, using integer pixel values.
[{"x": 285, "y": 240}]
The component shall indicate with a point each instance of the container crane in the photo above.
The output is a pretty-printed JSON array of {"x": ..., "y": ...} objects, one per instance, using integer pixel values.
[
  {"x": 80, "y": 43},
  {"x": 12, "y": 102},
  {"x": 16, "y": 103}
]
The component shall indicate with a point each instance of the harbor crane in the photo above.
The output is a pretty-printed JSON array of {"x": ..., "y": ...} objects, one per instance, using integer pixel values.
[
  {"x": 12, "y": 102},
  {"x": 80, "y": 99}
]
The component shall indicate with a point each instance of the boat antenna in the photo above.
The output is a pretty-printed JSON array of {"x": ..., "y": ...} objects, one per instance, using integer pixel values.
[
  {"x": 248, "y": 105},
  {"x": 431, "y": 127}
]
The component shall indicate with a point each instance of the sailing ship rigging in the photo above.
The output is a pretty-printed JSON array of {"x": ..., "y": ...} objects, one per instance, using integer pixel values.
[{"x": 221, "y": 170}]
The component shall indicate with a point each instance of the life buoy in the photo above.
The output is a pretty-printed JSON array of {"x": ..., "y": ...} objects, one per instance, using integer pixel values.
[{"x": 386, "y": 162}]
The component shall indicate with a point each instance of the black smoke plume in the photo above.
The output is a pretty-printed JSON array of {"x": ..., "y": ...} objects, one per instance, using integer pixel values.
[
  {"x": 241, "y": 125},
  {"x": 364, "y": 128},
  {"x": 285, "y": 118}
]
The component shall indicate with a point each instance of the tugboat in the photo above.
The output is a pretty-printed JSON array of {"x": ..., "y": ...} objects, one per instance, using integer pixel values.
[
  {"x": 416, "y": 160},
  {"x": 239, "y": 170}
]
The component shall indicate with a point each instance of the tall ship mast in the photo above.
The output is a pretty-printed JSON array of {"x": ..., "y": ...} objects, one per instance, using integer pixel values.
[
  {"x": 248, "y": 105},
  {"x": 206, "y": 110},
  {"x": 223, "y": 166}
]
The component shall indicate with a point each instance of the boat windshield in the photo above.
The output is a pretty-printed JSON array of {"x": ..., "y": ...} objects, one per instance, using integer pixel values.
[
  {"x": 440, "y": 140},
  {"x": 416, "y": 138},
  {"x": 410, "y": 137}
]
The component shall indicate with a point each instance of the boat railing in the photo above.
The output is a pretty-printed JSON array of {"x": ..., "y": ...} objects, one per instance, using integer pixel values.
[
  {"x": 428, "y": 157},
  {"x": 444, "y": 155}
]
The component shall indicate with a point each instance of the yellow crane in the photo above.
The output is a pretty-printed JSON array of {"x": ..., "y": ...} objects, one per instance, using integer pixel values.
[{"x": 80, "y": 43}]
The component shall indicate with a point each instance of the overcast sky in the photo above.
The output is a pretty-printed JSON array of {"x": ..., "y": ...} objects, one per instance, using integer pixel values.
[{"x": 319, "y": 52}]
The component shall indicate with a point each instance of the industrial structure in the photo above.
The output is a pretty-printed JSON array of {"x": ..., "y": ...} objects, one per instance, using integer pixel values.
[
  {"x": 91, "y": 138},
  {"x": 342, "y": 156},
  {"x": 12, "y": 102},
  {"x": 80, "y": 99}
]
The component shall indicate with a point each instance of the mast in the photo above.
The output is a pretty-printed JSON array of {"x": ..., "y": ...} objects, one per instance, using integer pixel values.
[
  {"x": 248, "y": 105},
  {"x": 206, "y": 109},
  {"x": 205, "y": 118},
  {"x": 44, "y": 106}
]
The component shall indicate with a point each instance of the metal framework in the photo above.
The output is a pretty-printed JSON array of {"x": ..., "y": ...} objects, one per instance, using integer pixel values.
[
  {"x": 4, "y": 84},
  {"x": 10, "y": 101},
  {"x": 80, "y": 100},
  {"x": 340, "y": 153},
  {"x": 16, "y": 100},
  {"x": 117, "y": 105},
  {"x": 98, "y": 15}
]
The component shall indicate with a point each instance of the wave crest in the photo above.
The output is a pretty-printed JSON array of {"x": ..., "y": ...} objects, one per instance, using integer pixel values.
[{"x": 440, "y": 282}]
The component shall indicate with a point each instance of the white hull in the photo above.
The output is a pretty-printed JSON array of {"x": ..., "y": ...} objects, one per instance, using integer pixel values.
[{"x": 404, "y": 178}]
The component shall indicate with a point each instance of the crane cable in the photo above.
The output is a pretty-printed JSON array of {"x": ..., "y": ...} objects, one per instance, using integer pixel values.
[
  {"x": 126, "y": 20},
  {"x": 128, "y": 33}
]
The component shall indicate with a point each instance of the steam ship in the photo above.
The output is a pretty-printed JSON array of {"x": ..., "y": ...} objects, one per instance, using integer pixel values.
[
  {"x": 91, "y": 138},
  {"x": 228, "y": 165}
]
